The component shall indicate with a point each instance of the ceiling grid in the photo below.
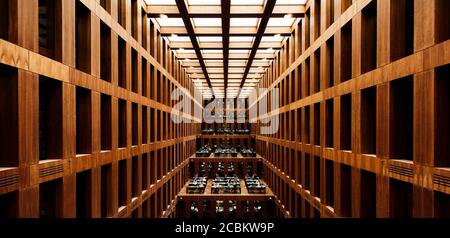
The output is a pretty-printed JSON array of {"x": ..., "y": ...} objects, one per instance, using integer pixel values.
[{"x": 226, "y": 46}]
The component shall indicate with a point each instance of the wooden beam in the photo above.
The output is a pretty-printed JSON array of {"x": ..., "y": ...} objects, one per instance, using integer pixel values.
[
  {"x": 262, "y": 27},
  {"x": 215, "y": 11},
  {"x": 187, "y": 22},
  {"x": 230, "y": 76},
  {"x": 218, "y": 45},
  {"x": 232, "y": 64},
  {"x": 233, "y": 31},
  {"x": 219, "y": 56},
  {"x": 226, "y": 7}
]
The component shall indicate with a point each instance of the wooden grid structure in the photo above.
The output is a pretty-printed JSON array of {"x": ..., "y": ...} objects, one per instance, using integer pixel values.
[
  {"x": 85, "y": 128},
  {"x": 364, "y": 111},
  {"x": 226, "y": 44}
]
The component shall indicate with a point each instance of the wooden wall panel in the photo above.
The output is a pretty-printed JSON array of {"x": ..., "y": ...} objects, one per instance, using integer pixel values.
[
  {"x": 418, "y": 178},
  {"x": 21, "y": 53}
]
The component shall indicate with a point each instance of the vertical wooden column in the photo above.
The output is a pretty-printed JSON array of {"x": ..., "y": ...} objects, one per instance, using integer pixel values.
[
  {"x": 96, "y": 120},
  {"x": 28, "y": 136},
  {"x": 337, "y": 146},
  {"x": 129, "y": 121},
  {"x": 312, "y": 80},
  {"x": 323, "y": 173},
  {"x": 95, "y": 198},
  {"x": 138, "y": 212},
  {"x": 138, "y": 176},
  {"x": 324, "y": 73},
  {"x": 139, "y": 83},
  {"x": 383, "y": 109},
  {"x": 382, "y": 196},
  {"x": 424, "y": 24},
  {"x": 337, "y": 9},
  {"x": 68, "y": 200},
  {"x": 303, "y": 43},
  {"x": 337, "y": 188},
  {"x": 383, "y": 32},
  {"x": 140, "y": 36},
  {"x": 297, "y": 164},
  {"x": 95, "y": 45},
  {"x": 337, "y": 58},
  {"x": 114, "y": 60},
  {"x": 28, "y": 202},
  {"x": 67, "y": 29},
  {"x": 96, "y": 191},
  {"x": 424, "y": 118},
  {"x": 139, "y": 126},
  {"x": 356, "y": 122},
  {"x": 147, "y": 79},
  {"x": 127, "y": 15},
  {"x": 129, "y": 83},
  {"x": 356, "y": 148},
  {"x": 314, "y": 28},
  {"x": 68, "y": 196},
  {"x": 424, "y": 140},
  {"x": 356, "y": 192},
  {"x": 356, "y": 45},
  {"x": 325, "y": 9},
  {"x": 114, "y": 124},
  {"x": 128, "y": 181},
  {"x": 69, "y": 121},
  {"x": 24, "y": 13}
]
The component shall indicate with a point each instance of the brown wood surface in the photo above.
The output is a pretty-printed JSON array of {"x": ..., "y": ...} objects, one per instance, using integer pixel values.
[{"x": 372, "y": 73}]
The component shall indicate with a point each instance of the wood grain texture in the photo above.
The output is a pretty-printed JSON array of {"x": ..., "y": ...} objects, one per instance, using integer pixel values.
[
  {"x": 20, "y": 52},
  {"x": 372, "y": 117}
]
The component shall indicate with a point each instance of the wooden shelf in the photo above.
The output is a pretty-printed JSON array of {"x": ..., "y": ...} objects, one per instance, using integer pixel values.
[
  {"x": 91, "y": 107},
  {"x": 86, "y": 111},
  {"x": 355, "y": 71}
]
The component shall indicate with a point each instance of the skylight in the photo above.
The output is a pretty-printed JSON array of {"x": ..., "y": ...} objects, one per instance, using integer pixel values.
[
  {"x": 281, "y": 21},
  {"x": 207, "y": 22},
  {"x": 160, "y": 2},
  {"x": 170, "y": 22},
  {"x": 244, "y": 22},
  {"x": 241, "y": 38},
  {"x": 290, "y": 2},
  {"x": 179, "y": 39},
  {"x": 272, "y": 38},
  {"x": 204, "y": 2},
  {"x": 247, "y": 2},
  {"x": 209, "y": 39},
  {"x": 205, "y": 16}
]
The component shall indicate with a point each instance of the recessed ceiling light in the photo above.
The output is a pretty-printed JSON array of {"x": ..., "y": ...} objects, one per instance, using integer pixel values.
[
  {"x": 264, "y": 59},
  {"x": 288, "y": 16},
  {"x": 163, "y": 16}
]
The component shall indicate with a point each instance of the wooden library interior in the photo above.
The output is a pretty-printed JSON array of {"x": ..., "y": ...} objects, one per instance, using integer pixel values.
[{"x": 224, "y": 109}]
